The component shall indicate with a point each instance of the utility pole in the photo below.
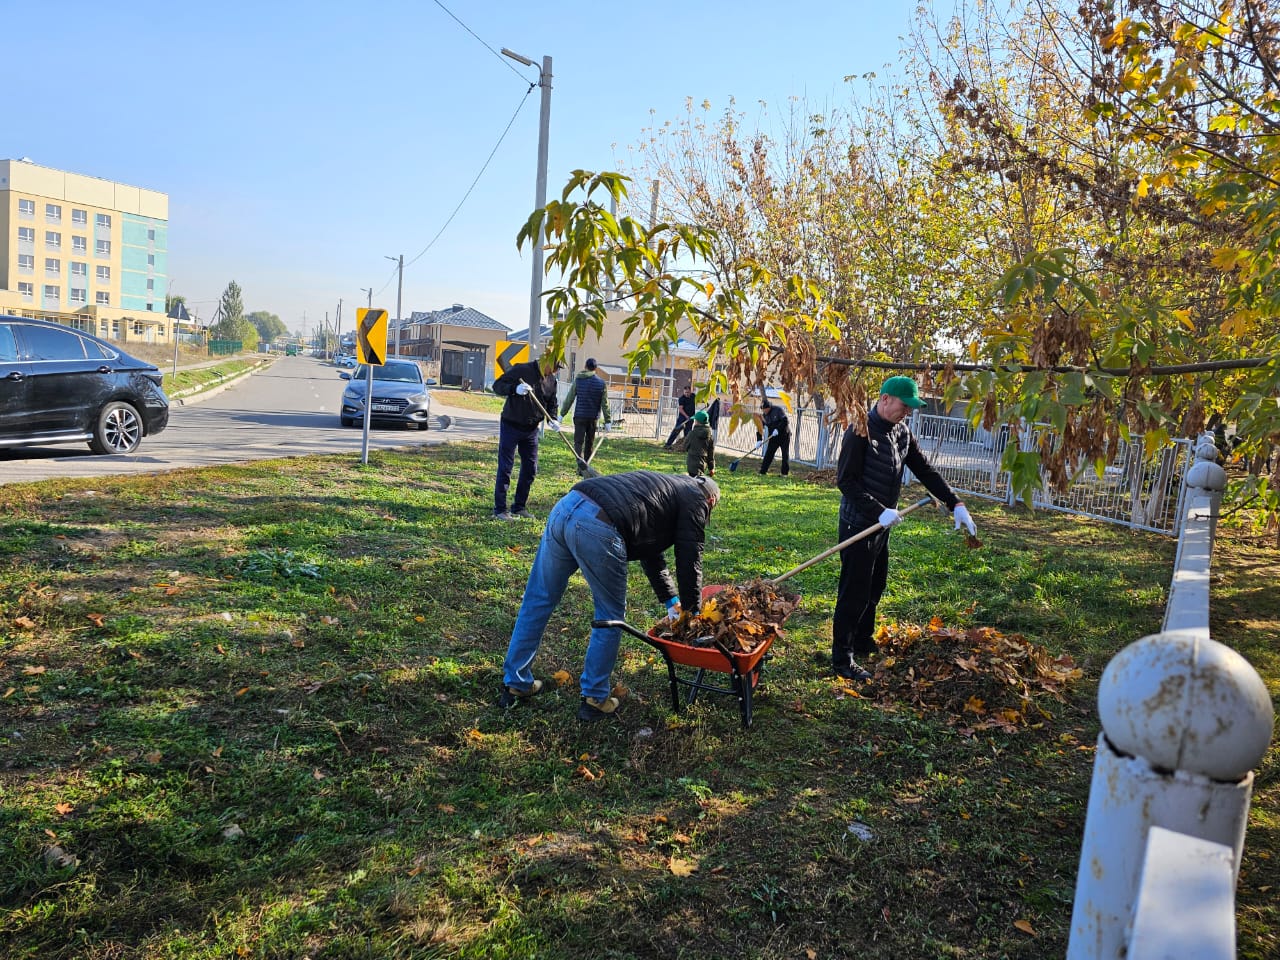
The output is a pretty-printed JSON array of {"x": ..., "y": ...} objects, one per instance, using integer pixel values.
[
  {"x": 540, "y": 196},
  {"x": 338, "y": 331},
  {"x": 399, "y": 291}
]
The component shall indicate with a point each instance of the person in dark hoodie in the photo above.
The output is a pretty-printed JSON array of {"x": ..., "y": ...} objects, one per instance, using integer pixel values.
[
  {"x": 778, "y": 429},
  {"x": 589, "y": 398},
  {"x": 700, "y": 447},
  {"x": 869, "y": 475},
  {"x": 518, "y": 430},
  {"x": 598, "y": 527}
]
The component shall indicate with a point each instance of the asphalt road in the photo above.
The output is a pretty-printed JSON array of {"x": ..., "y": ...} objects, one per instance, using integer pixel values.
[{"x": 287, "y": 410}]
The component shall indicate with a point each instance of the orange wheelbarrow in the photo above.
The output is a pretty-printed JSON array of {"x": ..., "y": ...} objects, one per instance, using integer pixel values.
[{"x": 743, "y": 669}]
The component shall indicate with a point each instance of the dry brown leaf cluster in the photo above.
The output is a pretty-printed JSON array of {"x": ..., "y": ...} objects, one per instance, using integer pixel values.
[
  {"x": 985, "y": 679},
  {"x": 825, "y": 477},
  {"x": 741, "y": 617}
]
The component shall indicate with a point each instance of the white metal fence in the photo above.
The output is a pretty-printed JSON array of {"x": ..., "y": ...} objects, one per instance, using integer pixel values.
[{"x": 1137, "y": 490}]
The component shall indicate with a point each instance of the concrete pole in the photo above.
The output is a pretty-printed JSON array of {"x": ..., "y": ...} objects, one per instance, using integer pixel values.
[{"x": 399, "y": 297}]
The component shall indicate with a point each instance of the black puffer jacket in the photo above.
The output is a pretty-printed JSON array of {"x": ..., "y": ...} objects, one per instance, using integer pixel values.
[
  {"x": 654, "y": 511},
  {"x": 869, "y": 473},
  {"x": 521, "y": 411}
]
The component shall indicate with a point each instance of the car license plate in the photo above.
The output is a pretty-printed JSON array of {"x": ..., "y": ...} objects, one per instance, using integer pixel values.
[{"x": 385, "y": 408}]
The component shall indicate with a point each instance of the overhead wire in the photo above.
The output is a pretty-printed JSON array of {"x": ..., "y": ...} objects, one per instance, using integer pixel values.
[{"x": 492, "y": 153}]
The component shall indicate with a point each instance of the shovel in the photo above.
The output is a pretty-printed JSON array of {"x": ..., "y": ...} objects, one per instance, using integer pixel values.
[
  {"x": 733, "y": 467},
  {"x": 860, "y": 535},
  {"x": 587, "y": 470}
]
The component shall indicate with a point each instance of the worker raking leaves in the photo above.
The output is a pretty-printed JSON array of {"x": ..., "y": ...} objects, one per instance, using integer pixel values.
[{"x": 741, "y": 618}]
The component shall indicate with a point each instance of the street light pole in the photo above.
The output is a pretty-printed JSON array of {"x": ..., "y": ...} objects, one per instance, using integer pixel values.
[
  {"x": 369, "y": 291},
  {"x": 540, "y": 198},
  {"x": 399, "y": 293}
]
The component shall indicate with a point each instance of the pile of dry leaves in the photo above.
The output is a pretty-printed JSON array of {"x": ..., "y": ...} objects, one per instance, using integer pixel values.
[
  {"x": 824, "y": 478},
  {"x": 741, "y": 618},
  {"x": 982, "y": 678}
]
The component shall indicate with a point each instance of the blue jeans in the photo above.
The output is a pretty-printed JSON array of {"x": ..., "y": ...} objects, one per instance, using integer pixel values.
[
  {"x": 575, "y": 539},
  {"x": 510, "y": 440}
]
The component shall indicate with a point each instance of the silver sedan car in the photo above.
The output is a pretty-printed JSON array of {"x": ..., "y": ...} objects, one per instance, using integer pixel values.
[{"x": 400, "y": 395}]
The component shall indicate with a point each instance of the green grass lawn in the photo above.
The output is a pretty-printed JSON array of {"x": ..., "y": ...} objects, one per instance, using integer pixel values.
[{"x": 249, "y": 711}]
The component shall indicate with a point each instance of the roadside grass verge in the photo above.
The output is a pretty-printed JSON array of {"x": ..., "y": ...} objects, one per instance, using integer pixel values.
[
  {"x": 249, "y": 711},
  {"x": 469, "y": 399}
]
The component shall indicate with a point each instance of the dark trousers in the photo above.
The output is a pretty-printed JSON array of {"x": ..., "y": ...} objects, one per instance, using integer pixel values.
[
  {"x": 779, "y": 443},
  {"x": 683, "y": 422},
  {"x": 584, "y": 440},
  {"x": 513, "y": 439},
  {"x": 864, "y": 568}
]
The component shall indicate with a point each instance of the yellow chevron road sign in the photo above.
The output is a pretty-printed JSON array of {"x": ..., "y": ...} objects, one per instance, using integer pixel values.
[
  {"x": 371, "y": 336},
  {"x": 507, "y": 354}
]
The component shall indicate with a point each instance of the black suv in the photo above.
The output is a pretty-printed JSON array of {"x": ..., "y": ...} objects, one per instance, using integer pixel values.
[{"x": 58, "y": 385}]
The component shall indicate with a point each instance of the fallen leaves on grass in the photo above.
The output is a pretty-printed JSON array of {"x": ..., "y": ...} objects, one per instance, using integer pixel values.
[
  {"x": 681, "y": 868},
  {"x": 740, "y": 618},
  {"x": 985, "y": 679},
  {"x": 24, "y": 623}
]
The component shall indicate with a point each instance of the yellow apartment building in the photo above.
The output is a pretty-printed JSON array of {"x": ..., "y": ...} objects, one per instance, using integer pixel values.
[{"x": 83, "y": 251}]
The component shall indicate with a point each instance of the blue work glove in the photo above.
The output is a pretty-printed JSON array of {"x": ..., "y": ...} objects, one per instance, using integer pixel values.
[{"x": 673, "y": 608}]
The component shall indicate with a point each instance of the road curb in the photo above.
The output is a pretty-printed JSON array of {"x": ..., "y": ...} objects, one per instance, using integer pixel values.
[{"x": 197, "y": 394}]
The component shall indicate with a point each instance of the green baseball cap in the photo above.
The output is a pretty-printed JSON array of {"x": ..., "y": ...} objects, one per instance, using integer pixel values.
[
  {"x": 700, "y": 416},
  {"x": 905, "y": 389}
]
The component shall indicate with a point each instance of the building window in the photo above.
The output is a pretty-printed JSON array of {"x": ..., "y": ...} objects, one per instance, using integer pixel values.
[
  {"x": 79, "y": 245},
  {"x": 26, "y": 234},
  {"x": 103, "y": 274},
  {"x": 102, "y": 298},
  {"x": 53, "y": 240},
  {"x": 26, "y": 290},
  {"x": 79, "y": 218},
  {"x": 26, "y": 263},
  {"x": 150, "y": 305},
  {"x": 52, "y": 267},
  {"x": 151, "y": 284},
  {"x": 102, "y": 219},
  {"x": 151, "y": 234},
  {"x": 26, "y": 209},
  {"x": 102, "y": 248},
  {"x": 52, "y": 292},
  {"x": 79, "y": 269},
  {"x": 79, "y": 295},
  {"x": 151, "y": 259},
  {"x": 53, "y": 212}
]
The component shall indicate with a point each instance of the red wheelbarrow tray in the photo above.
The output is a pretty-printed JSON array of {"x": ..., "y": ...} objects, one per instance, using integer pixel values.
[
  {"x": 744, "y": 668},
  {"x": 713, "y": 658}
]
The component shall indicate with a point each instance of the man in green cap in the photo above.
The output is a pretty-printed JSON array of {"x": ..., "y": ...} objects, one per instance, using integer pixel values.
[{"x": 869, "y": 476}]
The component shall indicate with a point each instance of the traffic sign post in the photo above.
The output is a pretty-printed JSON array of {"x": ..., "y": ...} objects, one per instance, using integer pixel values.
[{"x": 371, "y": 350}]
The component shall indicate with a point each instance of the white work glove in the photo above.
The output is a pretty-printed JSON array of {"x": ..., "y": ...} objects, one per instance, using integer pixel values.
[
  {"x": 673, "y": 608},
  {"x": 889, "y": 517},
  {"x": 521, "y": 388},
  {"x": 554, "y": 425},
  {"x": 961, "y": 513}
]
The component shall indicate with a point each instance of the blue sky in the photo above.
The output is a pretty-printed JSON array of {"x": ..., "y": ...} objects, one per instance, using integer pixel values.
[{"x": 301, "y": 143}]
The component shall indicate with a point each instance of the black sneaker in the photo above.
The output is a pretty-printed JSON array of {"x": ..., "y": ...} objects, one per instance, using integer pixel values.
[
  {"x": 852, "y": 672},
  {"x": 510, "y": 696},
  {"x": 592, "y": 710}
]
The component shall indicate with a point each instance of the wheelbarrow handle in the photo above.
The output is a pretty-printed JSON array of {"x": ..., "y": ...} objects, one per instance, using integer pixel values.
[
  {"x": 620, "y": 625},
  {"x": 861, "y": 535}
]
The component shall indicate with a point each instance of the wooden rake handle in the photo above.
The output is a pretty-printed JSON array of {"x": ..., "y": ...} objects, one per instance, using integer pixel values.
[{"x": 861, "y": 535}]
